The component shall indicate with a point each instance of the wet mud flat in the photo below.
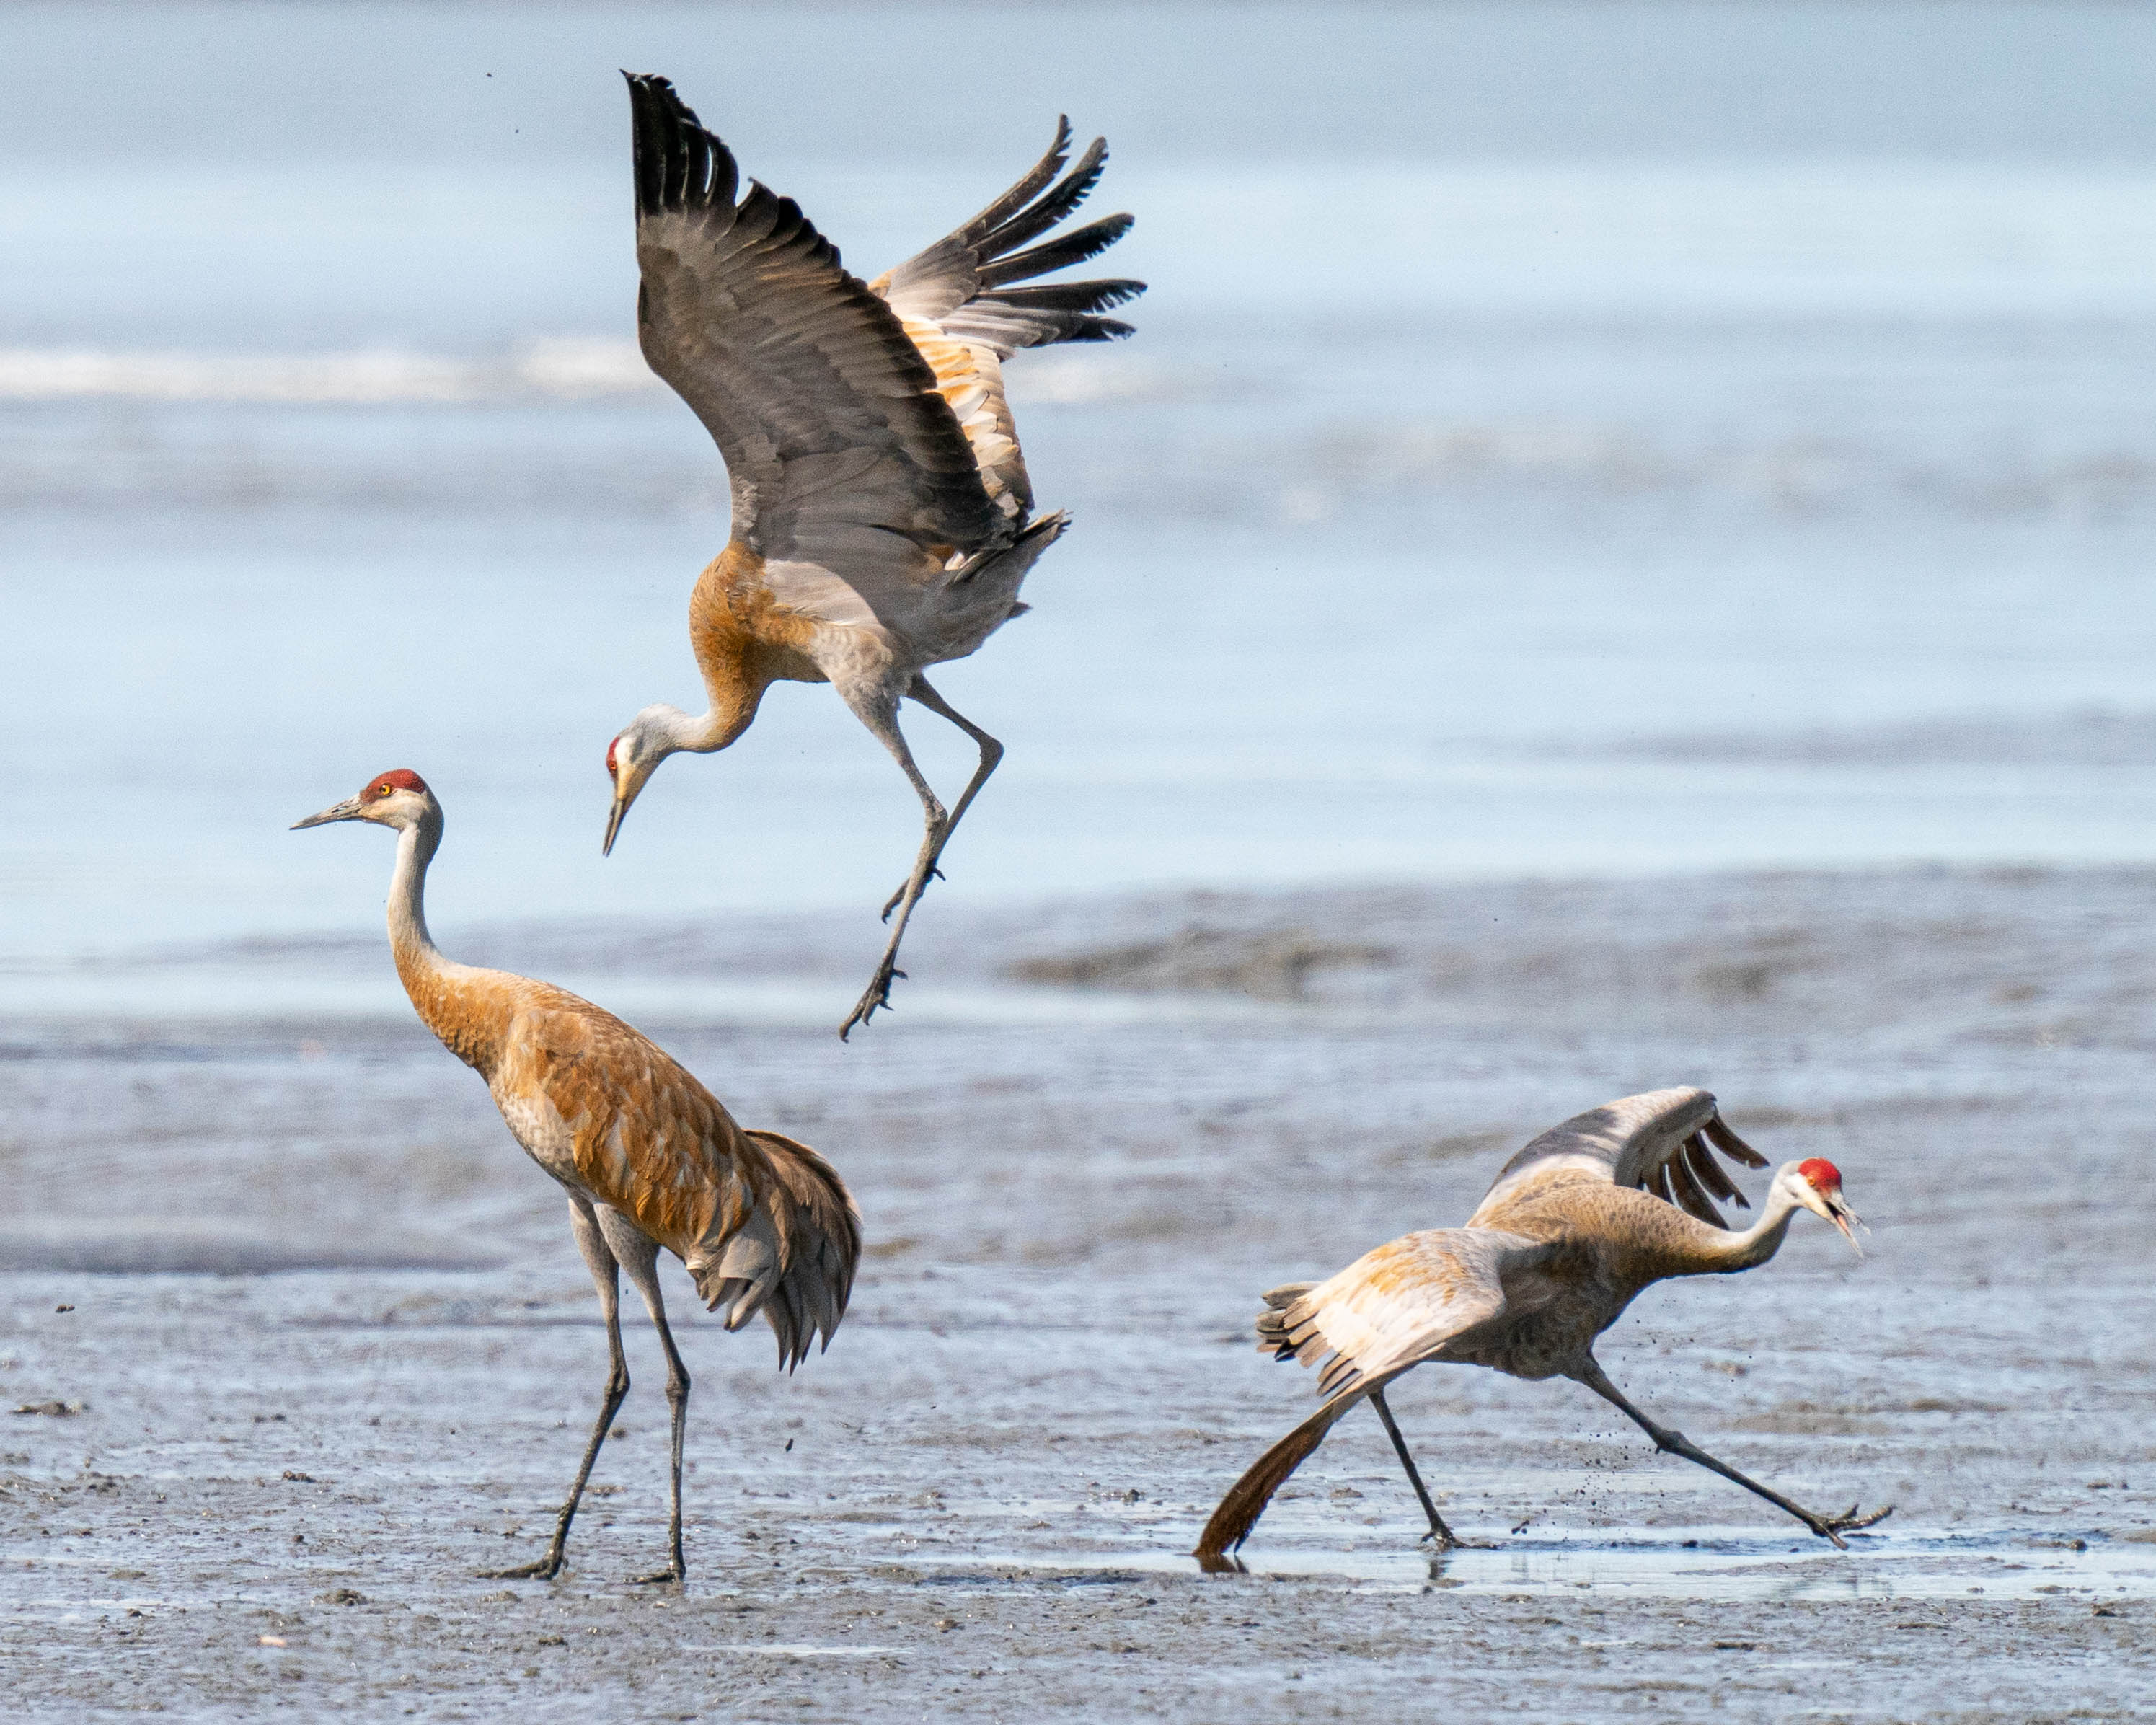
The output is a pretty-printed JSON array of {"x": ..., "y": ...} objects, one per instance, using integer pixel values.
[{"x": 329, "y": 1351}]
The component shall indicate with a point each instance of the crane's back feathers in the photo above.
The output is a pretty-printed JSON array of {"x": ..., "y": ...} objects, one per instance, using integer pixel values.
[{"x": 1661, "y": 1142}]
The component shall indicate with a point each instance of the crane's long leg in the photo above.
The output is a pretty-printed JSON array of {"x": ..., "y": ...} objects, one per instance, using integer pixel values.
[
  {"x": 879, "y": 712},
  {"x": 992, "y": 752},
  {"x": 601, "y": 1262},
  {"x": 639, "y": 1253},
  {"x": 1830, "y": 1527},
  {"x": 1442, "y": 1534}
]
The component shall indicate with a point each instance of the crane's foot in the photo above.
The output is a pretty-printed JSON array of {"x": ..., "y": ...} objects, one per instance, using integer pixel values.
[
  {"x": 545, "y": 1569},
  {"x": 1848, "y": 1521},
  {"x": 673, "y": 1574},
  {"x": 893, "y": 902},
  {"x": 1451, "y": 1540},
  {"x": 878, "y": 995}
]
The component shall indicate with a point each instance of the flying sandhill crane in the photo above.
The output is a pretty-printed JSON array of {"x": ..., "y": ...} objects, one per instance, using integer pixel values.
[
  {"x": 882, "y": 518},
  {"x": 647, "y": 1156},
  {"x": 1577, "y": 1225}
]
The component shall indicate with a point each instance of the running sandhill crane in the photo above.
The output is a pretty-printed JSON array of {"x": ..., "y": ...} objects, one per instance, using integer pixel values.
[
  {"x": 882, "y": 518},
  {"x": 1576, "y": 1223},
  {"x": 648, "y": 1157}
]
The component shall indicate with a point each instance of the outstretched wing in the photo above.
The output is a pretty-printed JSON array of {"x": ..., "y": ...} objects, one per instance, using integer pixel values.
[
  {"x": 1415, "y": 1298},
  {"x": 959, "y": 305},
  {"x": 1661, "y": 1142},
  {"x": 1422, "y": 1297},
  {"x": 842, "y": 449}
]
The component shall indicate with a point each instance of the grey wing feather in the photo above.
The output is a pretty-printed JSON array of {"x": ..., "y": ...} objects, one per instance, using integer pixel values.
[
  {"x": 1658, "y": 1143},
  {"x": 830, "y": 421},
  {"x": 963, "y": 282}
]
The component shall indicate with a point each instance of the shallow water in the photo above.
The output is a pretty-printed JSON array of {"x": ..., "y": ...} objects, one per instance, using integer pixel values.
[{"x": 1735, "y": 471}]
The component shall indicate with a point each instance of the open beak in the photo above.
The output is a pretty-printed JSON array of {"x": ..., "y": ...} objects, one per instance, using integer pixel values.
[
  {"x": 1840, "y": 1214},
  {"x": 347, "y": 810}
]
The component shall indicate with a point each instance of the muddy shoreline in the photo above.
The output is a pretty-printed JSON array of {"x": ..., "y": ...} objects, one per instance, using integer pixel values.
[{"x": 329, "y": 1351}]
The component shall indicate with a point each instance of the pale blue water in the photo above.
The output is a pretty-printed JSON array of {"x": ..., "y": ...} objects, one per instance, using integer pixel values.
[{"x": 1565, "y": 440}]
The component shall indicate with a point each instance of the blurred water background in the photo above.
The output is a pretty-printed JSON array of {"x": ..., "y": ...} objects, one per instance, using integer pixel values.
[{"x": 1561, "y": 440}]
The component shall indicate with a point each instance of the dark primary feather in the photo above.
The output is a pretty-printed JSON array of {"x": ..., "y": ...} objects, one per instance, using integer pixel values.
[
  {"x": 963, "y": 282},
  {"x": 830, "y": 419},
  {"x": 1030, "y": 183},
  {"x": 1058, "y": 254},
  {"x": 1068, "y": 296},
  {"x": 1064, "y": 196}
]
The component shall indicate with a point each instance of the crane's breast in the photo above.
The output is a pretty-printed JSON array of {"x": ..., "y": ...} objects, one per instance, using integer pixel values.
[{"x": 536, "y": 1123}]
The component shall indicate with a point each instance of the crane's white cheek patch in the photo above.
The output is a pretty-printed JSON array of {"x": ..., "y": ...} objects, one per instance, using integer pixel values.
[{"x": 537, "y": 1125}]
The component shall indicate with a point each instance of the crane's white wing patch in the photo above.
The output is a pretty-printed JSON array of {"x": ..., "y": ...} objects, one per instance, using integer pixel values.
[{"x": 1409, "y": 1300}]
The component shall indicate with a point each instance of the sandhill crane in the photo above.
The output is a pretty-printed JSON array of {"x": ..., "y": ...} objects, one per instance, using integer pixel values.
[
  {"x": 882, "y": 518},
  {"x": 647, "y": 1156},
  {"x": 1575, "y": 1224}
]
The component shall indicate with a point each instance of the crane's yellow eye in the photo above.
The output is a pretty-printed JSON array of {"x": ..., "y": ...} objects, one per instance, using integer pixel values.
[{"x": 382, "y": 790}]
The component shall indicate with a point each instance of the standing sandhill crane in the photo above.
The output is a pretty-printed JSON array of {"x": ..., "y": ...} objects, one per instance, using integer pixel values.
[
  {"x": 882, "y": 518},
  {"x": 646, "y": 1155},
  {"x": 1578, "y": 1222}
]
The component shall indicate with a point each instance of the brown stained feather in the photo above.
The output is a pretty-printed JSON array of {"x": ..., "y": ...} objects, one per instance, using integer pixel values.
[{"x": 970, "y": 378}]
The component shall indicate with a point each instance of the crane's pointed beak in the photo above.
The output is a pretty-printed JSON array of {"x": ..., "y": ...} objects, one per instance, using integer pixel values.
[
  {"x": 347, "y": 810},
  {"x": 614, "y": 818},
  {"x": 1840, "y": 1214}
]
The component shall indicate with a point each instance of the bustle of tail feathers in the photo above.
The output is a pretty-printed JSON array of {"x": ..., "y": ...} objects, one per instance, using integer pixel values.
[
  {"x": 1231, "y": 1524},
  {"x": 794, "y": 1259},
  {"x": 980, "y": 593},
  {"x": 1034, "y": 538}
]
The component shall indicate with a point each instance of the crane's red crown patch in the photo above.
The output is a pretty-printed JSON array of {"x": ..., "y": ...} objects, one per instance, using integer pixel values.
[
  {"x": 610, "y": 766},
  {"x": 1822, "y": 1174},
  {"x": 403, "y": 779}
]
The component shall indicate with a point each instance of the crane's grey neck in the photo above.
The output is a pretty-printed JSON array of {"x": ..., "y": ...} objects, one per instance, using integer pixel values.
[
  {"x": 1759, "y": 1242},
  {"x": 416, "y": 845},
  {"x": 699, "y": 734}
]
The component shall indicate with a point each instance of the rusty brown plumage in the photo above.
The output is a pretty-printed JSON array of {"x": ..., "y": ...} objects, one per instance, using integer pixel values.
[
  {"x": 1573, "y": 1229},
  {"x": 648, "y": 1158}
]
